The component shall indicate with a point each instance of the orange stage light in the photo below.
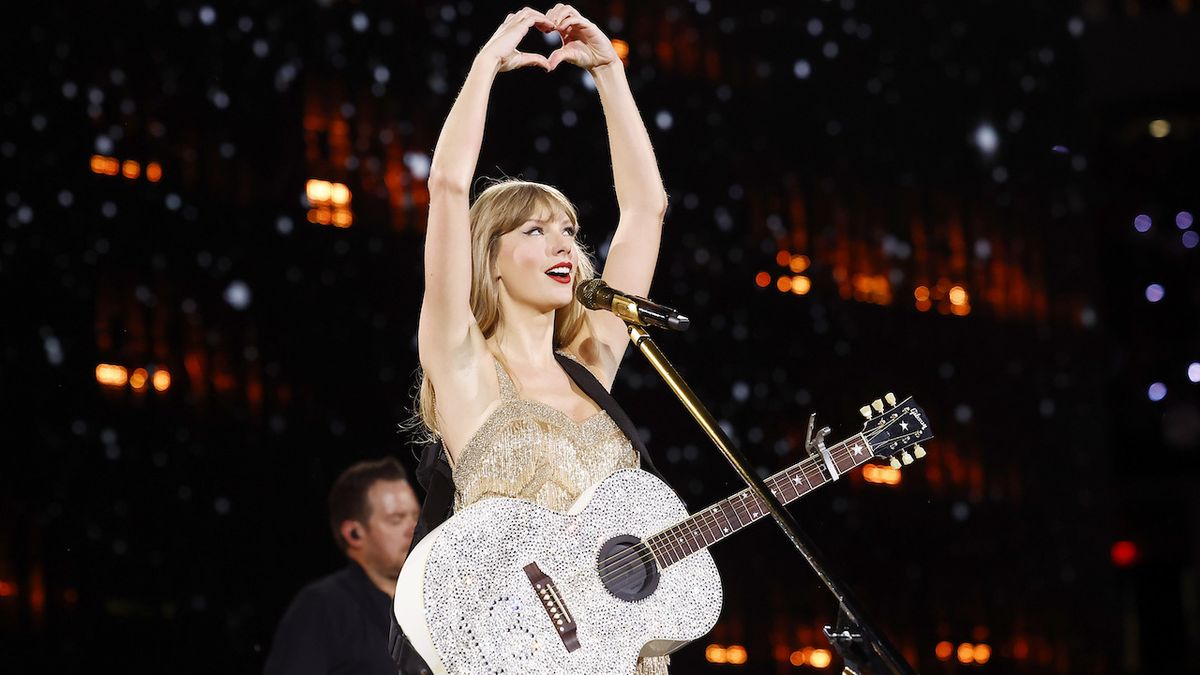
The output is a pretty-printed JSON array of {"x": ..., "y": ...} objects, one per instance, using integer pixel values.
[
  {"x": 820, "y": 658},
  {"x": 138, "y": 379},
  {"x": 111, "y": 375},
  {"x": 958, "y": 295},
  {"x": 622, "y": 49},
  {"x": 799, "y": 263},
  {"x": 982, "y": 653},
  {"x": 153, "y": 172},
  {"x": 944, "y": 650},
  {"x": 883, "y": 475},
  {"x": 783, "y": 258},
  {"x": 714, "y": 654},
  {"x": 131, "y": 169},
  {"x": 784, "y": 284},
  {"x": 161, "y": 380},
  {"x": 108, "y": 166},
  {"x": 762, "y": 279},
  {"x": 801, "y": 285},
  {"x": 966, "y": 652},
  {"x": 339, "y": 194},
  {"x": 318, "y": 191},
  {"x": 735, "y": 654}
]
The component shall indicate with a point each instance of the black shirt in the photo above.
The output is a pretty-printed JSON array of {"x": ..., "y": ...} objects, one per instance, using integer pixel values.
[{"x": 337, "y": 624}]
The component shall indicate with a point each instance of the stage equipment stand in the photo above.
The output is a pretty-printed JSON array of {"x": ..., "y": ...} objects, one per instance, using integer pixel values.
[{"x": 855, "y": 639}]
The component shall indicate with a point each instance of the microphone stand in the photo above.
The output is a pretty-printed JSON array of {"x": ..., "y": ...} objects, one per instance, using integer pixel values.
[{"x": 853, "y": 632}]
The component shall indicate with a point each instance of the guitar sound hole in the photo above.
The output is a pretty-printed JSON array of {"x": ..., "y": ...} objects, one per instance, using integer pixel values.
[{"x": 627, "y": 568}]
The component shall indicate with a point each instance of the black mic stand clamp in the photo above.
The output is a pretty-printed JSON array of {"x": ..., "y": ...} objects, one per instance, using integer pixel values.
[{"x": 863, "y": 634}]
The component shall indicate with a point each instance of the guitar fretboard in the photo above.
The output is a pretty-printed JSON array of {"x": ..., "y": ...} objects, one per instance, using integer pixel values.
[{"x": 710, "y": 525}]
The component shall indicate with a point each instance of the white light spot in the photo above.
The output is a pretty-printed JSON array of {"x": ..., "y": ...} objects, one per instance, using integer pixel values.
[
  {"x": 283, "y": 225},
  {"x": 260, "y": 48},
  {"x": 1157, "y": 391},
  {"x": 1190, "y": 239},
  {"x": 802, "y": 69},
  {"x": 830, "y": 50},
  {"x": 54, "y": 353},
  {"x": 418, "y": 164},
  {"x": 741, "y": 391},
  {"x": 815, "y": 27},
  {"x": 1075, "y": 26},
  {"x": 1194, "y": 371},
  {"x": 1142, "y": 223},
  {"x": 664, "y": 120},
  {"x": 569, "y": 118},
  {"x": 104, "y": 144},
  {"x": 237, "y": 294},
  {"x": 986, "y": 139},
  {"x": 359, "y": 22},
  {"x": 220, "y": 99},
  {"x": 1183, "y": 220},
  {"x": 1155, "y": 292},
  {"x": 208, "y": 15}
]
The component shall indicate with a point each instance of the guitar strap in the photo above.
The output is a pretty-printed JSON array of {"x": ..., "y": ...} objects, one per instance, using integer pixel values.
[{"x": 434, "y": 474}]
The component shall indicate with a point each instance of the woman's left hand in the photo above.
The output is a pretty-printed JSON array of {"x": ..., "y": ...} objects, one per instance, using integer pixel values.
[{"x": 584, "y": 45}]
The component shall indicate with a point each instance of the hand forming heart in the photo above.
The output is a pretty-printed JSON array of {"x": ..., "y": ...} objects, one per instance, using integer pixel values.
[{"x": 584, "y": 44}]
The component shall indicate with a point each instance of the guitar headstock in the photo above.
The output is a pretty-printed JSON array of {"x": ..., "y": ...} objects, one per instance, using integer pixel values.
[{"x": 892, "y": 428}]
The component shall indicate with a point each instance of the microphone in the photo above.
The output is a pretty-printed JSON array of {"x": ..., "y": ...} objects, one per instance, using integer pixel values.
[{"x": 595, "y": 294}]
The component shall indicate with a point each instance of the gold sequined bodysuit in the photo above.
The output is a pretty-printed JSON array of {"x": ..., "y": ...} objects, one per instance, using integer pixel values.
[{"x": 532, "y": 451}]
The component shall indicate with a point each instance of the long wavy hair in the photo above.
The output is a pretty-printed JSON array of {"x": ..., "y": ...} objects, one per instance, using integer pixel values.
[{"x": 501, "y": 208}]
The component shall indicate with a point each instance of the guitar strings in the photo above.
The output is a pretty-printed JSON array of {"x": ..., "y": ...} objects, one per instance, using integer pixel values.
[
  {"x": 628, "y": 566},
  {"x": 809, "y": 468},
  {"x": 705, "y": 519},
  {"x": 635, "y": 556}
]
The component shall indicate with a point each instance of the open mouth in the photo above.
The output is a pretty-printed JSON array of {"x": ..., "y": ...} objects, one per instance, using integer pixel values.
[{"x": 560, "y": 272}]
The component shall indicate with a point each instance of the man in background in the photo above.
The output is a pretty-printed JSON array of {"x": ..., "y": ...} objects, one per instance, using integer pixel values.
[{"x": 339, "y": 623}]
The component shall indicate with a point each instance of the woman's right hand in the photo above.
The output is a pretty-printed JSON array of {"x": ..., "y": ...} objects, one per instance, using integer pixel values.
[{"x": 502, "y": 47}]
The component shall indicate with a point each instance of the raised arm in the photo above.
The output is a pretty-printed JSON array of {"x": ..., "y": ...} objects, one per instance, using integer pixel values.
[
  {"x": 640, "y": 195},
  {"x": 448, "y": 338}
]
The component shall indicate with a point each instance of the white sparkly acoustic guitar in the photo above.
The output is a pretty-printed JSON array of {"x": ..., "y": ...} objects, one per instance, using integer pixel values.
[{"x": 506, "y": 586}]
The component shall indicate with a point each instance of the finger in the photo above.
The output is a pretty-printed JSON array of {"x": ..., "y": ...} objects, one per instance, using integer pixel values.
[
  {"x": 554, "y": 12},
  {"x": 524, "y": 59},
  {"x": 570, "y": 23},
  {"x": 565, "y": 14},
  {"x": 556, "y": 57}
]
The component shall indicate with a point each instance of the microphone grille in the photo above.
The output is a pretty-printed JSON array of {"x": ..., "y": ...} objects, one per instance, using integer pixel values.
[{"x": 588, "y": 293}]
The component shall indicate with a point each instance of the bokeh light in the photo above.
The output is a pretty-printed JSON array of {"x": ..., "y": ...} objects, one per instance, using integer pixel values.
[
  {"x": 1155, "y": 292},
  {"x": 1157, "y": 391},
  {"x": 1142, "y": 223}
]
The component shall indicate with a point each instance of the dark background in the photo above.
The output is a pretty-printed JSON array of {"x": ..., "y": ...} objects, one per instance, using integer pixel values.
[{"x": 905, "y": 147}]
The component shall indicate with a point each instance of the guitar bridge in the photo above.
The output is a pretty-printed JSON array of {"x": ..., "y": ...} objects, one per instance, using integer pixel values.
[{"x": 555, "y": 606}]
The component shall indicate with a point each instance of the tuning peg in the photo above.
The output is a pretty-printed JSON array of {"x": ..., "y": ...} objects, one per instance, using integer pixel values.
[
  {"x": 890, "y": 398},
  {"x": 906, "y": 458},
  {"x": 877, "y": 405},
  {"x": 894, "y": 462},
  {"x": 918, "y": 452},
  {"x": 866, "y": 411}
]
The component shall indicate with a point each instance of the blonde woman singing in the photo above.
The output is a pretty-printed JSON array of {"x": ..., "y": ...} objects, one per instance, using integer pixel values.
[{"x": 516, "y": 372}]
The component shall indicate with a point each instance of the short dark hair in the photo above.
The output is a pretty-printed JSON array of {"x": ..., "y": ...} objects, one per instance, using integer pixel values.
[{"x": 348, "y": 496}]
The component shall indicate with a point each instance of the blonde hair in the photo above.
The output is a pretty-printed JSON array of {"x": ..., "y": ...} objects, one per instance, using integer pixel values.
[{"x": 501, "y": 208}]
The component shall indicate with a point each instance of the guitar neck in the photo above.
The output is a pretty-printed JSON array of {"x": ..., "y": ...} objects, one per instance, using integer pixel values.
[{"x": 712, "y": 524}]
